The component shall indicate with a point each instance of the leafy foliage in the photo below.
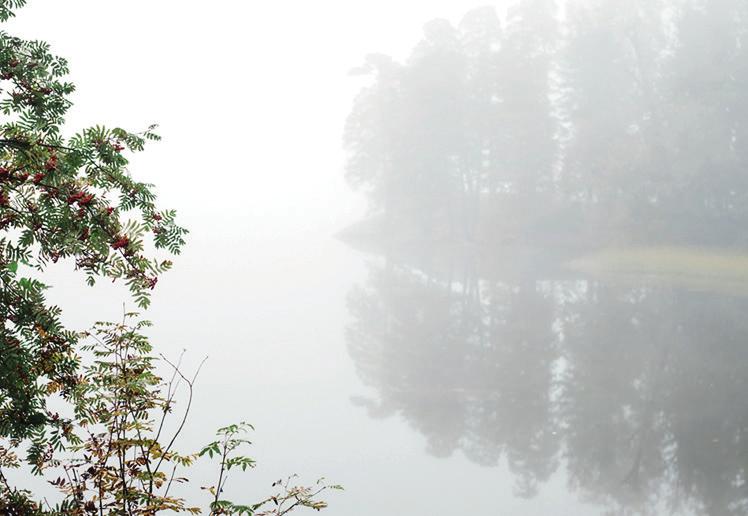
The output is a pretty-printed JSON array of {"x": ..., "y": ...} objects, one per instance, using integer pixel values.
[
  {"x": 61, "y": 198},
  {"x": 289, "y": 497},
  {"x": 120, "y": 459}
]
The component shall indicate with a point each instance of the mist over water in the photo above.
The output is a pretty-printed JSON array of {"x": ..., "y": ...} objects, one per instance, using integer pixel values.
[
  {"x": 500, "y": 268},
  {"x": 558, "y": 204}
]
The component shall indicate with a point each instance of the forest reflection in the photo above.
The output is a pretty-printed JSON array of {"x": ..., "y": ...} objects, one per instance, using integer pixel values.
[
  {"x": 499, "y": 156},
  {"x": 637, "y": 392}
]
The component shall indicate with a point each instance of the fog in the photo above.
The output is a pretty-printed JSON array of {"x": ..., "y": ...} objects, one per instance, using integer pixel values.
[{"x": 460, "y": 259}]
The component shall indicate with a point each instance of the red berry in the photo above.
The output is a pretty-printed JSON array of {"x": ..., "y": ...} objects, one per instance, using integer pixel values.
[
  {"x": 75, "y": 197},
  {"x": 121, "y": 243},
  {"x": 85, "y": 199},
  {"x": 51, "y": 163}
]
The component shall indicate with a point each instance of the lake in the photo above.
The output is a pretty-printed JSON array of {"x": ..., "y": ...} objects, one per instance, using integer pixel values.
[{"x": 432, "y": 384}]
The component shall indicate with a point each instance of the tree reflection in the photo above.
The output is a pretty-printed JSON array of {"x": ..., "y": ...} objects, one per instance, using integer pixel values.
[
  {"x": 459, "y": 363},
  {"x": 638, "y": 393}
]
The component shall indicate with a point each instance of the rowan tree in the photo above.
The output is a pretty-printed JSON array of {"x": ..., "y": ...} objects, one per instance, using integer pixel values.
[
  {"x": 72, "y": 198},
  {"x": 61, "y": 198}
]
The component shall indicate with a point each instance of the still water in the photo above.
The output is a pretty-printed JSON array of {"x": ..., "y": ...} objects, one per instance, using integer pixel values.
[{"x": 434, "y": 383}]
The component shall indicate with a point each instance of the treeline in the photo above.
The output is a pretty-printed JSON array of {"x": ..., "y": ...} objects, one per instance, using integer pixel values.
[{"x": 606, "y": 122}]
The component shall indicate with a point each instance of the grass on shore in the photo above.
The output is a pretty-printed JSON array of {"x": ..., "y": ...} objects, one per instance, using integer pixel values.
[{"x": 715, "y": 270}]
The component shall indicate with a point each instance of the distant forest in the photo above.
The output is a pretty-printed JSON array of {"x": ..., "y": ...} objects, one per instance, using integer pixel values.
[
  {"x": 605, "y": 122},
  {"x": 505, "y": 148}
]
